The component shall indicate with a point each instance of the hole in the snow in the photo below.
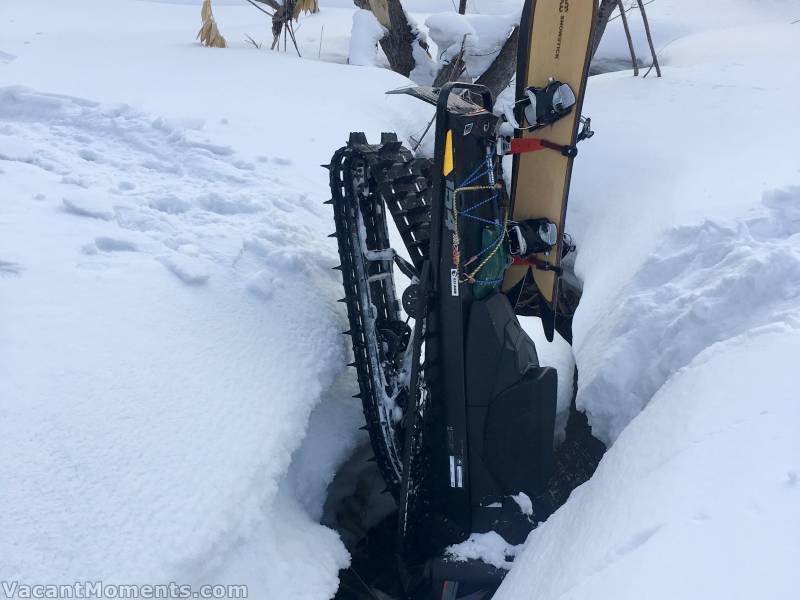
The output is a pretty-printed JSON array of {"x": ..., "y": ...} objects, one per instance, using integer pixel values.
[{"x": 366, "y": 517}]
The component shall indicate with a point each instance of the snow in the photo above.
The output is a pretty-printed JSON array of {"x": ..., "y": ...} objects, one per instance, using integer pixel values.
[
  {"x": 709, "y": 250},
  {"x": 556, "y": 354},
  {"x": 674, "y": 20},
  {"x": 364, "y": 38},
  {"x": 149, "y": 402},
  {"x": 702, "y": 283},
  {"x": 698, "y": 497},
  {"x": 488, "y": 547},
  {"x": 173, "y": 404},
  {"x": 524, "y": 503},
  {"x": 482, "y": 36}
]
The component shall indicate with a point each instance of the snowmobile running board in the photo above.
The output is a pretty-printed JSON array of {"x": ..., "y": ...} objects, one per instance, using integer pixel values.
[{"x": 426, "y": 93}]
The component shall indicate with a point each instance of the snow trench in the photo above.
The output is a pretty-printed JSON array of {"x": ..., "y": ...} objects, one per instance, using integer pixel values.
[{"x": 702, "y": 284}]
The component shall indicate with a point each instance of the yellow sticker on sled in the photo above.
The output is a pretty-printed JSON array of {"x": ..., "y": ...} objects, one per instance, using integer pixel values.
[{"x": 447, "y": 163}]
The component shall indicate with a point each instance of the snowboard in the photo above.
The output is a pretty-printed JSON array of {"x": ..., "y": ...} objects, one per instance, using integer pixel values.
[{"x": 555, "y": 41}]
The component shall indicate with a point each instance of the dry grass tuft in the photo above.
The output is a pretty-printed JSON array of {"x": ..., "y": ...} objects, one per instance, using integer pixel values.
[
  {"x": 302, "y": 6},
  {"x": 209, "y": 34}
]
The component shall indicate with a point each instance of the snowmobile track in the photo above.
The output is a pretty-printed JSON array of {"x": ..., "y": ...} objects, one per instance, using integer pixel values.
[{"x": 364, "y": 178}]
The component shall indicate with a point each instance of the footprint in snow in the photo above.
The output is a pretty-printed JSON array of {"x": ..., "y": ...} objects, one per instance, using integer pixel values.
[
  {"x": 89, "y": 155},
  {"x": 214, "y": 149},
  {"x": 70, "y": 180},
  {"x": 88, "y": 207},
  {"x": 282, "y": 205},
  {"x": 190, "y": 271},
  {"x": 162, "y": 167},
  {"x": 9, "y": 269},
  {"x": 216, "y": 203},
  {"x": 261, "y": 285},
  {"x": 108, "y": 244},
  {"x": 169, "y": 204},
  {"x": 243, "y": 165}
]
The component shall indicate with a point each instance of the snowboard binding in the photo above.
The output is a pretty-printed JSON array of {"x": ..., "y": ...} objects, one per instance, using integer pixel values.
[
  {"x": 544, "y": 106},
  {"x": 453, "y": 393}
]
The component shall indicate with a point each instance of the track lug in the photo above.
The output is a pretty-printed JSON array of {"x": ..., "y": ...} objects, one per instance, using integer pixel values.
[
  {"x": 328, "y": 201},
  {"x": 337, "y": 268},
  {"x": 359, "y": 396},
  {"x": 348, "y": 332},
  {"x": 352, "y": 364},
  {"x": 342, "y": 300},
  {"x": 326, "y": 167},
  {"x": 332, "y": 235}
]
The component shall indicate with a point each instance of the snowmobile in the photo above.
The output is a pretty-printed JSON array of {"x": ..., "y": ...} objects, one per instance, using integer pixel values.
[{"x": 460, "y": 413}]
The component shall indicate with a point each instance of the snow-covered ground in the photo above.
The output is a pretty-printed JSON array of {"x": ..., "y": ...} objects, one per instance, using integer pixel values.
[
  {"x": 172, "y": 400},
  {"x": 168, "y": 305}
]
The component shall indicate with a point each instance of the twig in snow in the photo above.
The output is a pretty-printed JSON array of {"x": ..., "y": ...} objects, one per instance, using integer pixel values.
[
  {"x": 629, "y": 10},
  {"x": 252, "y": 41},
  {"x": 664, "y": 47},
  {"x": 266, "y": 12},
  {"x": 649, "y": 37},
  {"x": 424, "y": 133}
]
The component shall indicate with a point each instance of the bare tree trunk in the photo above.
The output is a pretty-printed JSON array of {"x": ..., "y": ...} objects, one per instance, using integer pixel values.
[
  {"x": 603, "y": 13},
  {"x": 398, "y": 43},
  {"x": 503, "y": 67},
  {"x": 624, "y": 18}
]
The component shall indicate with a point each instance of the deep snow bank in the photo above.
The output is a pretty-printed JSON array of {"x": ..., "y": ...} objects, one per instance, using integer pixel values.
[
  {"x": 698, "y": 497},
  {"x": 682, "y": 211},
  {"x": 169, "y": 316},
  {"x": 162, "y": 348}
]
